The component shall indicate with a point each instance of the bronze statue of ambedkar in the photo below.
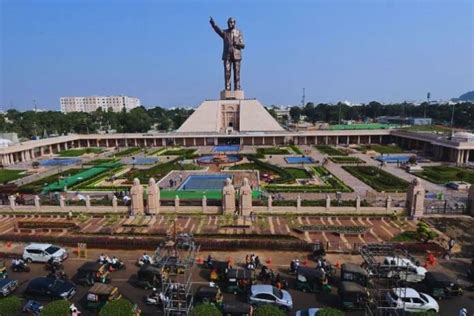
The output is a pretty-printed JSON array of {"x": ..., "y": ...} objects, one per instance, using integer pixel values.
[{"x": 231, "y": 55}]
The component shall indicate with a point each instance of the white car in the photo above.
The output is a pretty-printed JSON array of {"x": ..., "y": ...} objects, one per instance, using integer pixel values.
[
  {"x": 410, "y": 300},
  {"x": 36, "y": 252},
  {"x": 262, "y": 294},
  {"x": 308, "y": 312},
  {"x": 404, "y": 268}
]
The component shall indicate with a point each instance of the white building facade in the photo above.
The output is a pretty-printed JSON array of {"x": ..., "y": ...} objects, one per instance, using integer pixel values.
[{"x": 93, "y": 103}]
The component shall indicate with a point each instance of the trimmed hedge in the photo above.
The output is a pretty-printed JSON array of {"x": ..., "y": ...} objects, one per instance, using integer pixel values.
[
  {"x": 205, "y": 310},
  {"x": 56, "y": 308},
  {"x": 268, "y": 310},
  {"x": 120, "y": 307},
  {"x": 377, "y": 178},
  {"x": 330, "y": 150},
  {"x": 10, "y": 305}
]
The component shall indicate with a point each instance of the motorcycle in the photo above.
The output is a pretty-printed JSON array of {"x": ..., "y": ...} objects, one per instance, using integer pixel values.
[
  {"x": 54, "y": 265},
  {"x": 119, "y": 265},
  {"x": 141, "y": 261},
  {"x": 21, "y": 267},
  {"x": 58, "y": 275},
  {"x": 153, "y": 299}
]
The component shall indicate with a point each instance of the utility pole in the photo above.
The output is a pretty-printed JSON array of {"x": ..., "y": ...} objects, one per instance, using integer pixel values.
[
  {"x": 428, "y": 95},
  {"x": 303, "y": 98},
  {"x": 452, "y": 120}
]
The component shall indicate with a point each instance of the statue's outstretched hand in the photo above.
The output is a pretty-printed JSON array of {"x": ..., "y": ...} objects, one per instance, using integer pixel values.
[{"x": 211, "y": 20}]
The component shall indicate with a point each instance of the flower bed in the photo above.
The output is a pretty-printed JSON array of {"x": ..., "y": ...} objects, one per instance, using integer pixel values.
[
  {"x": 346, "y": 160},
  {"x": 329, "y": 150},
  {"x": 273, "y": 151},
  {"x": 46, "y": 224},
  {"x": 377, "y": 178},
  {"x": 128, "y": 152},
  {"x": 346, "y": 230}
]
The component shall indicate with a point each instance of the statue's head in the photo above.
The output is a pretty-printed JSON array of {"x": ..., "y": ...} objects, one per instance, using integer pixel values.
[
  {"x": 228, "y": 182},
  {"x": 246, "y": 182},
  {"x": 136, "y": 181},
  {"x": 151, "y": 182},
  {"x": 231, "y": 23}
]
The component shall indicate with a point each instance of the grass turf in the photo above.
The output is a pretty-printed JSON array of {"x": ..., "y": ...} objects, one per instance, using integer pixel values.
[
  {"x": 298, "y": 173},
  {"x": 7, "y": 175},
  {"x": 378, "y": 179},
  {"x": 80, "y": 152},
  {"x": 382, "y": 149},
  {"x": 346, "y": 160},
  {"x": 329, "y": 150},
  {"x": 273, "y": 151},
  {"x": 444, "y": 174}
]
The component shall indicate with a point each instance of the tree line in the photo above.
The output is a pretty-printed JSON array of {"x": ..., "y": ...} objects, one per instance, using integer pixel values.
[
  {"x": 440, "y": 113},
  {"x": 30, "y": 124}
]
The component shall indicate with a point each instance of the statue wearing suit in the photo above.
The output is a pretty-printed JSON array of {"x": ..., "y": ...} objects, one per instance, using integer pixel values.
[{"x": 233, "y": 42}]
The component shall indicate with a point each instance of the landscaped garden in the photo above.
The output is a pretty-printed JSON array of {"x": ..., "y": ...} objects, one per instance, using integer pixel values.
[
  {"x": 377, "y": 178},
  {"x": 184, "y": 152},
  {"x": 330, "y": 150},
  {"x": 382, "y": 149},
  {"x": 298, "y": 173},
  {"x": 273, "y": 151},
  {"x": 346, "y": 160},
  {"x": 128, "y": 152},
  {"x": 80, "y": 151},
  {"x": 7, "y": 175},
  {"x": 38, "y": 185},
  {"x": 159, "y": 171},
  {"x": 444, "y": 174}
]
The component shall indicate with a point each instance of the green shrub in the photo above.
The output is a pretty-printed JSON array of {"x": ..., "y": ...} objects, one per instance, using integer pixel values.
[
  {"x": 425, "y": 233},
  {"x": 56, "y": 308},
  {"x": 268, "y": 310},
  {"x": 330, "y": 312},
  {"x": 329, "y": 150},
  {"x": 205, "y": 310},
  {"x": 10, "y": 305},
  {"x": 120, "y": 307}
]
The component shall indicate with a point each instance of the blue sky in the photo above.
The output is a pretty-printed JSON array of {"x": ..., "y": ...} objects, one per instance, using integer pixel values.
[{"x": 165, "y": 52}]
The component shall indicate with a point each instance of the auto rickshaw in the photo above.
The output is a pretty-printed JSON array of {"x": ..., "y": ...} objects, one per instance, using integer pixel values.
[
  {"x": 219, "y": 270},
  {"x": 149, "y": 276},
  {"x": 3, "y": 270},
  {"x": 92, "y": 272},
  {"x": 440, "y": 285},
  {"x": 209, "y": 294},
  {"x": 99, "y": 294},
  {"x": 172, "y": 265},
  {"x": 353, "y": 296},
  {"x": 238, "y": 280},
  {"x": 354, "y": 273},
  {"x": 237, "y": 309},
  {"x": 312, "y": 280}
]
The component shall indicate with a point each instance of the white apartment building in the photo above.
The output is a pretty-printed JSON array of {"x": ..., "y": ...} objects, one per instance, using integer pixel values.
[{"x": 92, "y": 103}]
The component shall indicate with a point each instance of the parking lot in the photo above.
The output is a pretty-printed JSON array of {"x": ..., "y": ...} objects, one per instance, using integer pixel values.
[{"x": 279, "y": 261}]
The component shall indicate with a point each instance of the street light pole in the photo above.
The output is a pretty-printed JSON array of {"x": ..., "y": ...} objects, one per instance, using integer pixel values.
[{"x": 452, "y": 120}]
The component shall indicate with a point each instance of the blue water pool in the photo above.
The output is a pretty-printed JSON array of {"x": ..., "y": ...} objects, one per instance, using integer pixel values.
[
  {"x": 226, "y": 148},
  {"x": 393, "y": 159},
  {"x": 204, "y": 182},
  {"x": 212, "y": 159},
  {"x": 59, "y": 162},
  {"x": 296, "y": 160},
  {"x": 143, "y": 160}
]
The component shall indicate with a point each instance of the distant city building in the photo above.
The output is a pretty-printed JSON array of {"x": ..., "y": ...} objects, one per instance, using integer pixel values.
[
  {"x": 399, "y": 120},
  {"x": 93, "y": 103},
  {"x": 282, "y": 112}
]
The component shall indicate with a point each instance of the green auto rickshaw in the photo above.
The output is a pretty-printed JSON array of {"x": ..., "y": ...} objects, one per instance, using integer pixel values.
[
  {"x": 99, "y": 294},
  {"x": 441, "y": 285},
  {"x": 312, "y": 280},
  {"x": 354, "y": 273},
  {"x": 149, "y": 276},
  {"x": 354, "y": 296},
  {"x": 238, "y": 280}
]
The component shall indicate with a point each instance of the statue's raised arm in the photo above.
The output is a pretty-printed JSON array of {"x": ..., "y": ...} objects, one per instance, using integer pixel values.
[{"x": 215, "y": 27}]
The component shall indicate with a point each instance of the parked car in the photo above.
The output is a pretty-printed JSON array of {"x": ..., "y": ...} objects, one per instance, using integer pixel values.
[
  {"x": 261, "y": 294},
  {"x": 36, "y": 252},
  {"x": 308, "y": 312},
  {"x": 50, "y": 288},
  {"x": 7, "y": 286},
  {"x": 354, "y": 273},
  {"x": 410, "y": 300}
]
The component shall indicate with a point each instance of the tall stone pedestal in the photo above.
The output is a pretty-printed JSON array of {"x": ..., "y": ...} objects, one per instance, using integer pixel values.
[
  {"x": 415, "y": 201},
  {"x": 232, "y": 95}
]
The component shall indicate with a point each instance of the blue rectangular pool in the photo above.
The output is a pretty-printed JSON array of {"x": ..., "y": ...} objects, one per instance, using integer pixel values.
[
  {"x": 226, "y": 148},
  {"x": 204, "y": 182},
  {"x": 296, "y": 160},
  {"x": 393, "y": 159}
]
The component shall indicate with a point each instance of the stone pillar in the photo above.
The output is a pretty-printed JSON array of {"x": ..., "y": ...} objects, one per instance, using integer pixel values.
[
  {"x": 37, "y": 203},
  {"x": 41, "y": 150},
  {"x": 298, "y": 202},
  {"x": 204, "y": 203},
  {"x": 88, "y": 202},
  {"x": 415, "y": 201},
  {"x": 328, "y": 202},
  {"x": 176, "y": 204},
  {"x": 370, "y": 139},
  {"x": 470, "y": 201},
  {"x": 114, "y": 204},
  {"x": 107, "y": 143},
  {"x": 153, "y": 197},
  {"x": 228, "y": 197},
  {"x": 467, "y": 155},
  {"x": 388, "y": 203},
  {"x": 269, "y": 203},
  {"x": 62, "y": 202},
  {"x": 245, "y": 198},
  {"x": 66, "y": 147},
  {"x": 358, "y": 203},
  {"x": 50, "y": 149},
  {"x": 12, "y": 199},
  {"x": 137, "y": 207},
  {"x": 358, "y": 139}
]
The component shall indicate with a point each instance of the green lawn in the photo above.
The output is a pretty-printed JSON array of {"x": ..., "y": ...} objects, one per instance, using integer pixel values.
[
  {"x": 186, "y": 152},
  {"x": 298, "y": 173},
  {"x": 128, "y": 152},
  {"x": 159, "y": 171},
  {"x": 37, "y": 186},
  {"x": 330, "y": 150},
  {"x": 296, "y": 149},
  {"x": 378, "y": 179},
  {"x": 382, "y": 149},
  {"x": 80, "y": 151},
  {"x": 346, "y": 160},
  {"x": 444, "y": 174},
  {"x": 429, "y": 128},
  {"x": 100, "y": 161},
  {"x": 7, "y": 175},
  {"x": 273, "y": 151}
]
